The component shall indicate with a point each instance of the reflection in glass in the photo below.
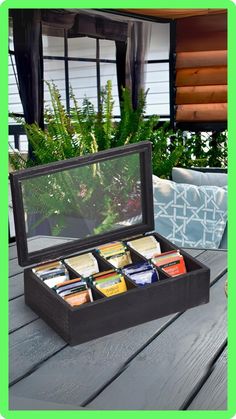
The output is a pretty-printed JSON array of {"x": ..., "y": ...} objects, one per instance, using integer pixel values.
[{"x": 83, "y": 201}]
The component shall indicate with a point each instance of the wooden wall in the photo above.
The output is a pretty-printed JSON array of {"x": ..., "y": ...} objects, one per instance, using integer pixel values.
[
  {"x": 201, "y": 68},
  {"x": 172, "y": 13}
]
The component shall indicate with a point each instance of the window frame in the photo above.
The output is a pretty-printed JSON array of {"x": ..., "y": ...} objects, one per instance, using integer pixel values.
[{"x": 66, "y": 59}]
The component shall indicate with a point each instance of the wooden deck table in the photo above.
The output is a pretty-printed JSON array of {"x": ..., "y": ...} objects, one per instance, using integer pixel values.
[{"x": 178, "y": 362}]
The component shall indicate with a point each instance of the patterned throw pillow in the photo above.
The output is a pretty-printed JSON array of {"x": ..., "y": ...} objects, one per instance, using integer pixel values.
[{"x": 189, "y": 215}]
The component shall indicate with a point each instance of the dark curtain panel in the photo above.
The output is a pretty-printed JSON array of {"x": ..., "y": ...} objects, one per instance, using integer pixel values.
[
  {"x": 98, "y": 27},
  {"x": 139, "y": 39},
  {"x": 121, "y": 49},
  {"x": 27, "y": 37},
  {"x": 58, "y": 18}
]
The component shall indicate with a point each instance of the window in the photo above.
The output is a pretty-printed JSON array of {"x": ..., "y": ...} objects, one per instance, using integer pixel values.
[
  {"x": 86, "y": 63},
  {"x": 14, "y": 102},
  {"x": 83, "y": 63},
  {"x": 157, "y": 71},
  {"x": 17, "y": 139}
]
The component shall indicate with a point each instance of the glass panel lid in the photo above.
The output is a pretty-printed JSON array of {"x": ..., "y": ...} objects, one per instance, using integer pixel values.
[{"x": 71, "y": 205}]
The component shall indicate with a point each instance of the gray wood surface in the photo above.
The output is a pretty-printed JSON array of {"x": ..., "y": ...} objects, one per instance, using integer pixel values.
[
  {"x": 36, "y": 351},
  {"x": 29, "y": 346},
  {"x": 194, "y": 252},
  {"x": 162, "y": 376},
  {"x": 141, "y": 334},
  {"x": 12, "y": 251},
  {"x": 213, "y": 394},
  {"x": 217, "y": 261},
  {"x": 19, "y": 314},
  {"x": 26, "y": 403},
  {"x": 83, "y": 368},
  {"x": 14, "y": 267},
  {"x": 16, "y": 286}
]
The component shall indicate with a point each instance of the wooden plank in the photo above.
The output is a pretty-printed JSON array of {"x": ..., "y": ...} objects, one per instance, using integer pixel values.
[
  {"x": 85, "y": 368},
  {"x": 202, "y": 42},
  {"x": 202, "y": 112},
  {"x": 194, "y": 26},
  {"x": 14, "y": 267},
  {"x": 16, "y": 286},
  {"x": 194, "y": 252},
  {"x": 12, "y": 252},
  {"x": 201, "y": 94},
  {"x": 163, "y": 375},
  {"x": 174, "y": 13},
  {"x": 201, "y": 59},
  {"x": 216, "y": 260},
  {"x": 201, "y": 76},
  {"x": 19, "y": 314},
  {"x": 24, "y": 403},
  {"x": 213, "y": 394},
  {"x": 30, "y": 346}
]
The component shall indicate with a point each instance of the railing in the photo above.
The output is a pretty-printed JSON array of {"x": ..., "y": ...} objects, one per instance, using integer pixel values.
[{"x": 16, "y": 131}]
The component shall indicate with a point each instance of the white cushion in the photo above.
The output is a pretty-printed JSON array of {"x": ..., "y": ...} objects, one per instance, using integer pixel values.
[{"x": 194, "y": 177}]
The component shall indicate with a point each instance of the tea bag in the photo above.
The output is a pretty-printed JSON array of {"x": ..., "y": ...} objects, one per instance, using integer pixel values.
[
  {"x": 78, "y": 298},
  {"x": 75, "y": 292},
  {"x": 52, "y": 273},
  {"x": 171, "y": 262},
  {"x": 109, "y": 283},
  {"x": 146, "y": 246},
  {"x": 142, "y": 273},
  {"x": 85, "y": 265},
  {"x": 116, "y": 253}
]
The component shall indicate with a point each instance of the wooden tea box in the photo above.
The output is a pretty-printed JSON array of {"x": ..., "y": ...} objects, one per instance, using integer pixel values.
[{"x": 73, "y": 206}]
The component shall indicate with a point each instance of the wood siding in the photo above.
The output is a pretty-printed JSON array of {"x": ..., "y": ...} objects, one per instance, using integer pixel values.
[
  {"x": 202, "y": 112},
  {"x": 201, "y": 68},
  {"x": 173, "y": 13},
  {"x": 201, "y": 94}
]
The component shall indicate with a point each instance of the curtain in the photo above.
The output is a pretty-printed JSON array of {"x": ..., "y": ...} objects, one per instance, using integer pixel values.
[
  {"x": 98, "y": 27},
  {"x": 121, "y": 50},
  {"x": 137, "y": 48},
  {"x": 27, "y": 38},
  {"x": 132, "y": 42}
]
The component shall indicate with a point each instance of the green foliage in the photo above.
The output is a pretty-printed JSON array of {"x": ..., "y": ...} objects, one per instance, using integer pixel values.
[
  {"x": 85, "y": 130},
  {"x": 167, "y": 150}
]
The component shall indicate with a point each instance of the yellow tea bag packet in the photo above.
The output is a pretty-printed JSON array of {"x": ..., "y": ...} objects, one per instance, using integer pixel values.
[{"x": 116, "y": 288}]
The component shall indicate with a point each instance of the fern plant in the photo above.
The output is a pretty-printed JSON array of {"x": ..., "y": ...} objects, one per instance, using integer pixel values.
[{"x": 86, "y": 130}]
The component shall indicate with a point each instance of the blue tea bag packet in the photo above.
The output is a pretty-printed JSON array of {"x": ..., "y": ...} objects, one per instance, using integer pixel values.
[
  {"x": 137, "y": 267},
  {"x": 141, "y": 273}
]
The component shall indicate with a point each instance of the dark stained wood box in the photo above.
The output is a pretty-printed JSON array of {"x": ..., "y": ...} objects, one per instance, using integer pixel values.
[{"x": 104, "y": 315}]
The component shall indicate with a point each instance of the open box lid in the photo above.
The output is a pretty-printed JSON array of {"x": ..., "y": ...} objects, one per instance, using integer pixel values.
[{"x": 76, "y": 204}]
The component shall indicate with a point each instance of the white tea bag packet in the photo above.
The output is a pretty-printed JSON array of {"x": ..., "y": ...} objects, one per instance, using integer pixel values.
[
  {"x": 147, "y": 246},
  {"x": 85, "y": 265}
]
